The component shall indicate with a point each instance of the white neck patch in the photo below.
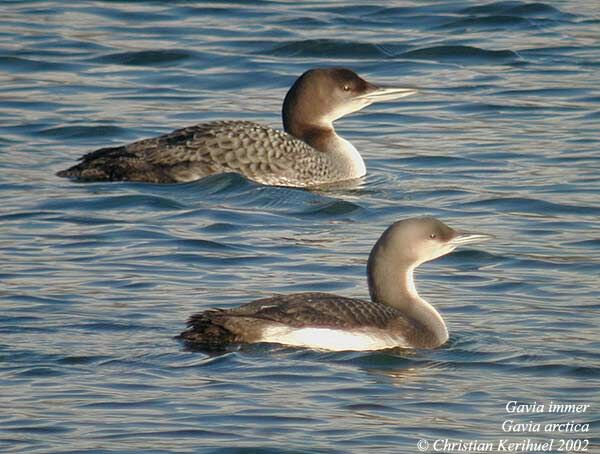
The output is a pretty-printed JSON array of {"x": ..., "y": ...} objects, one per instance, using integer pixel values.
[
  {"x": 424, "y": 307},
  {"x": 352, "y": 158}
]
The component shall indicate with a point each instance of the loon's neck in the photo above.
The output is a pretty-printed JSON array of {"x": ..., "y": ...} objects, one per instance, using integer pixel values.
[
  {"x": 395, "y": 287},
  {"x": 322, "y": 137}
]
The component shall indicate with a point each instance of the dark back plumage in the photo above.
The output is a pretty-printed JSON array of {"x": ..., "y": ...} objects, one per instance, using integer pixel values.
[
  {"x": 319, "y": 310},
  {"x": 260, "y": 153}
]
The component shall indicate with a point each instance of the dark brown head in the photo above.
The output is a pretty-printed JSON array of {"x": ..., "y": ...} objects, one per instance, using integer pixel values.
[{"x": 321, "y": 96}]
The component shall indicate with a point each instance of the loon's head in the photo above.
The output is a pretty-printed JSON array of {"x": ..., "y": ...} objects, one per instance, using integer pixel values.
[
  {"x": 408, "y": 243},
  {"x": 404, "y": 246},
  {"x": 321, "y": 96}
]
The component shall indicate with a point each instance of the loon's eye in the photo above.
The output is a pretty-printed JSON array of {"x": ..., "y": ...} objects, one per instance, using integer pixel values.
[
  {"x": 346, "y": 87},
  {"x": 433, "y": 236}
]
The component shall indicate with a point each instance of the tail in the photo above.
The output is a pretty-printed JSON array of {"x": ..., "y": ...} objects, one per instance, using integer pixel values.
[
  {"x": 206, "y": 330},
  {"x": 105, "y": 164},
  {"x": 72, "y": 172}
]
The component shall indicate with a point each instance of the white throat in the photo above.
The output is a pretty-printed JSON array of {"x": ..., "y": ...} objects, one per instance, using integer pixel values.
[
  {"x": 421, "y": 308},
  {"x": 349, "y": 158},
  {"x": 345, "y": 159}
]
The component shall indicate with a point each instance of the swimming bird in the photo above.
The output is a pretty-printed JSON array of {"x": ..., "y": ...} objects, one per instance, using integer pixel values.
[
  {"x": 396, "y": 316},
  {"x": 308, "y": 153}
]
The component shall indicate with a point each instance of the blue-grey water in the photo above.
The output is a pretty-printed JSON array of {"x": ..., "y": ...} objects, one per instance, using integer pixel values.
[{"x": 97, "y": 279}]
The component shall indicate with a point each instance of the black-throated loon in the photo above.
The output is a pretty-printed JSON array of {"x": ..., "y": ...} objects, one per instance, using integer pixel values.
[
  {"x": 396, "y": 316},
  {"x": 308, "y": 153}
]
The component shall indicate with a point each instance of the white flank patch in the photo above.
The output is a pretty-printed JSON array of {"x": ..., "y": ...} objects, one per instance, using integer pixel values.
[{"x": 330, "y": 339}]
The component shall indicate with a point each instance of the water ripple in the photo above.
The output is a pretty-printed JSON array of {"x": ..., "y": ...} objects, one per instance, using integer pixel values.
[
  {"x": 515, "y": 8},
  {"x": 462, "y": 54},
  {"x": 325, "y": 48},
  {"x": 146, "y": 57}
]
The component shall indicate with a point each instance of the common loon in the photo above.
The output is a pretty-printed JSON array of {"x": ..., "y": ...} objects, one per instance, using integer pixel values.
[
  {"x": 308, "y": 153},
  {"x": 396, "y": 316}
]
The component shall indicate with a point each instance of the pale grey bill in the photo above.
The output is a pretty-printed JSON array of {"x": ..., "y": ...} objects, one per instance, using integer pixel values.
[
  {"x": 387, "y": 94},
  {"x": 468, "y": 237}
]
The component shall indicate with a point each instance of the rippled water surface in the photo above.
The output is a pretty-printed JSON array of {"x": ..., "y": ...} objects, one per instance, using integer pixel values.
[{"x": 97, "y": 279}]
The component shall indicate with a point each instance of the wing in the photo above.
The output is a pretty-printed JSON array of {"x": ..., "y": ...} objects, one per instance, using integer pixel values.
[
  {"x": 258, "y": 152},
  {"x": 321, "y": 310},
  {"x": 244, "y": 147}
]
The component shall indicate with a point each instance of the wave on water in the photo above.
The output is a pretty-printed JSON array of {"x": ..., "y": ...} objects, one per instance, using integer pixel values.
[
  {"x": 84, "y": 132},
  {"x": 327, "y": 48},
  {"x": 533, "y": 206},
  {"x": 17, "y": 64},
  {"x": 145, "y": 57},
  {"x": 462, "y": 53},
  {"x": 330, "y": 48},
  {"x": 515, "y": 8}
]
